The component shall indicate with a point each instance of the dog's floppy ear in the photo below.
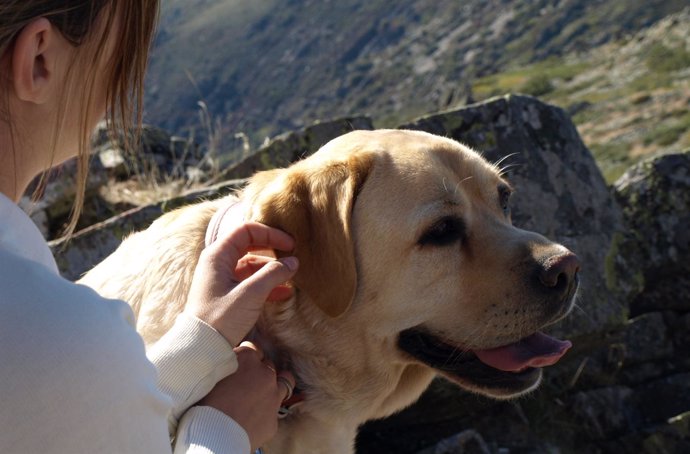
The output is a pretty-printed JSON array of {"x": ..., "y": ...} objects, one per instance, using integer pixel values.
[{"x": 313, "y": 202}]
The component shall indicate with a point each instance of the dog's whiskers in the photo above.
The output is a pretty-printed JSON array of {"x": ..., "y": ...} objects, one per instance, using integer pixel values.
[
  {"x": 455, "y": 190},
  {"x": 503, "y": 169},
  {"x": 582, "y": 311},
  {"x": 508, "y": 156},
  {"x": 477, "y": 335},
  {"x": 507, "y": 167}
]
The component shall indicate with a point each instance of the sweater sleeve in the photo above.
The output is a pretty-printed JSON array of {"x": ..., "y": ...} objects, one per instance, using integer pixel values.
[
  {"x": 190, "y": 358},
  {"x": 205, "y": 430}
]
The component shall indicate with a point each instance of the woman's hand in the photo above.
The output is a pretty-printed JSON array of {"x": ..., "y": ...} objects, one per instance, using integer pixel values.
[
  {"x": 252, "y": 395},
  {"x": 229, "y": 288}
]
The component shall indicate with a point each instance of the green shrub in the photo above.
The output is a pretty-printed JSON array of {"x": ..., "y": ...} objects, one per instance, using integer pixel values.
[
  {"x": 667, "y": 59},
  {"x": 665, "y": 135},
  {"x": 538, "y": 85}
]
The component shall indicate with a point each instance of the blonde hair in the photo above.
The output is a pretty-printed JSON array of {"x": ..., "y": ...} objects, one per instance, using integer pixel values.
[{"x": 77, "y": 20}]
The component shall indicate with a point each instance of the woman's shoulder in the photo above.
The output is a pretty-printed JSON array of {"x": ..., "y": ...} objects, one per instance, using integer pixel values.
[
  {"x": 45, "y": 315},
  {"x": 29, "y": 286},
  {"x": 74, "y": 365}
]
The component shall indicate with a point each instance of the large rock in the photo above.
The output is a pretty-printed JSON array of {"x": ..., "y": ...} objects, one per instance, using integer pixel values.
[
  {"x": 293, "y": 146},
  {"x": 630, "y": 391},
  {"x": 88, "y": 247},
  {"x": 52, "y": 209},
  {"x": 655, "y": 195},
  {"x": 620, "y": 412},
  {"x": 158, "y": 158},
  {"x": 159, "y": 155},
  {"x": 560, "y": 192},
  {"x": 91, "y": 245}
]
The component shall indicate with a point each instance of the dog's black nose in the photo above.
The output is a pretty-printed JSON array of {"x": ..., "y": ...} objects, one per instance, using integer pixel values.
[{"x": 558, "y": 273}]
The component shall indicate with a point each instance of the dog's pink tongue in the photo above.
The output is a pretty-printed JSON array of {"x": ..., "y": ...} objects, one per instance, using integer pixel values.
[{"x": 537, "y": 350}]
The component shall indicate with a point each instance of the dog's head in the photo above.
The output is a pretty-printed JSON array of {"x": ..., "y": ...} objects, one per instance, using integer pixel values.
[{"x": 413, "y": 231}]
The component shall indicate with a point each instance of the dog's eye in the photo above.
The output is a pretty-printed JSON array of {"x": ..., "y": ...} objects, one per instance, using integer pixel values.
[
  {"x": 504, "y": 193},
  {"x": 445, "y": 231}
]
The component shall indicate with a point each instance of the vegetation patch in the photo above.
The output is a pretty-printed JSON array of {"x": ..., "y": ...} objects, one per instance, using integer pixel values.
[
  {"x": 537, "y": 80},
  {"x": 662, "y": 58},
  {"x": 613, "y": 158},
  {"x": 668, "y": 134},
  {"x": 538, "y": 85}
]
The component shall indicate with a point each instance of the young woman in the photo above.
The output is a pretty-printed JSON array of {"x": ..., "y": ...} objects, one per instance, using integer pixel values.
[{"x": 74, "y": 376}]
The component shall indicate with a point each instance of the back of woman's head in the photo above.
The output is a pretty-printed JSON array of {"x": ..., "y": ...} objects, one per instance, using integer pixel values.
[{"x": 79, "y": 21}]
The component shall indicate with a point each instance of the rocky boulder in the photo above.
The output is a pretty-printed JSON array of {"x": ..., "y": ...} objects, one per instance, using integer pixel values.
[
  {"x": 293, "y": 146},
  {"x": 91, "y": 245},
  {"x": 632, "y": 392},
  {"x": 51, "y": 210},
  {"x": 560, "y": 192},
  {"x": 159, "y": 157},
  {"x": 655, "y": 196}
]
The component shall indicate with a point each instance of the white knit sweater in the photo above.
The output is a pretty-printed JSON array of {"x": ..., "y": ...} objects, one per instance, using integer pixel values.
[{"x": 74, "y": 376}]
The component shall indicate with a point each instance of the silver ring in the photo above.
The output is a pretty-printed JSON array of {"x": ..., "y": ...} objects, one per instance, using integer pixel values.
[{"x": 285, "y": 382}]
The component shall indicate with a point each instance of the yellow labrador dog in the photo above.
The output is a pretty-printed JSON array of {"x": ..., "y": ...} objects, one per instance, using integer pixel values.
[{"x": 409, "y": 267}]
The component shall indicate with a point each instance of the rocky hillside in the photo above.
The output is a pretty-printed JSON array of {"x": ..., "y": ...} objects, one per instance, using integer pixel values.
[
  {"x": 629, "y": 98},
  {"x": 266, "y": 67}
]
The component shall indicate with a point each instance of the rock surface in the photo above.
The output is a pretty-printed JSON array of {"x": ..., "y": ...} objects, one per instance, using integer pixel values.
[
  {"x": 633, "y": 391},
  {"x": 91, "y": 245},
  {"x": 159, "y": 157},
  {"x": 655, "y": 195},
  {"x": 293, "y": 146},
  {"x": 625, "y": 386},
  {"x": 52, "y": 210},
  {"x": 560, "y": 192}
]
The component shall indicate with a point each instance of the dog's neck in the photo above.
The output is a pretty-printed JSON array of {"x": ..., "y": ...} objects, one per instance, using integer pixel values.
[
  {"x": 303, "y": 429},
  {"x": 282, "y": 360},
  {"x": 339, "y": 395}
]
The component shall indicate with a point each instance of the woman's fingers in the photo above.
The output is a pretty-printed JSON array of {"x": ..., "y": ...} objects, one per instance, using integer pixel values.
[
  {"x": 232, "y": 247},
  {"x": 221, "y": 298},
  {"x": 249, "y": 346},
  {"x": 250, "y": 264},
  {"x": 286, "y": 385},
  {"x": 260, "y": 285},
  {"x": 252, "y": 395},
  {"x": 285, "y": 381}
]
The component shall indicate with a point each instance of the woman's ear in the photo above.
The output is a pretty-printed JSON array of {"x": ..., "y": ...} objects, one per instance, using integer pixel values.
[{"x": 34, "y": 61}]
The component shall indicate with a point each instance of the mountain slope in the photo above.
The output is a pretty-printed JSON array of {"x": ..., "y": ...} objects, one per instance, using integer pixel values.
[
  {"x": 629, "y": 98},
  {"x": 268, "y": 66}
]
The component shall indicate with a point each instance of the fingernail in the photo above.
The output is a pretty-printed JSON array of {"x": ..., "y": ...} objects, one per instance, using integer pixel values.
[{"x": 291, "y": 262}]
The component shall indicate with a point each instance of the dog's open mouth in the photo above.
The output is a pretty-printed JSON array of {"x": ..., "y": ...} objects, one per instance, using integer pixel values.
[{"x": 501, "y": 372}]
